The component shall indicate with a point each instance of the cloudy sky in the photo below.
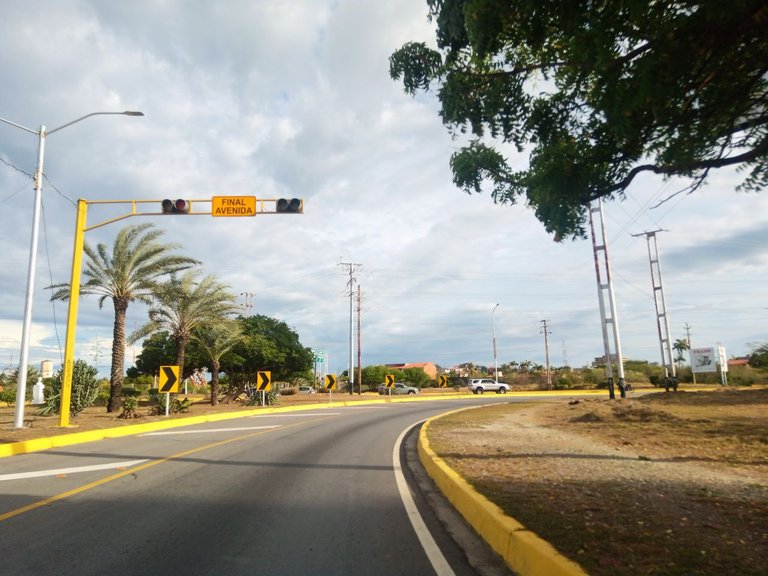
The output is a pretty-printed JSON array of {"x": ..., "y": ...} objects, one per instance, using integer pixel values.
[{"x": 272, "y": 99}]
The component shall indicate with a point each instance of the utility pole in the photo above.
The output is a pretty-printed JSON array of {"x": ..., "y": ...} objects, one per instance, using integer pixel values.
[
  {"x": 247, "y": 303},
  {"x": 688, "y": 340},
  {"x": 359, "y": 349},
  {"x": 350, "y": 266},
  {"x": 605, "y": 290},
  {"x": 546, "y": 353},
  {"x": 662, "y": 318}
]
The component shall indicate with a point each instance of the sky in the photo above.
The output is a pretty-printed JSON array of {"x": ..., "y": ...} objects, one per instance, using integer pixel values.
[{"x": 274, "y": 99}]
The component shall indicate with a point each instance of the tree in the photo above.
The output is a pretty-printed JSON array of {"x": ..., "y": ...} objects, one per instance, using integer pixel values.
[
  {"x": 759, "y": 356},
  {"x": 680, "y": 346},
  {"x": 130, "y": 273},
  {"x": 597, "y": 93},
  {"x": 183, "y": 304},
  {"x": 157, "y": 350},
  {"x": 267, "y": 344},
  {"x": 215, "y": 340}
]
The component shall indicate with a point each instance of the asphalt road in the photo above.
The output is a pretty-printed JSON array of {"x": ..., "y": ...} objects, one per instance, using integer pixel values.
[{"x": 311, "y": 492}]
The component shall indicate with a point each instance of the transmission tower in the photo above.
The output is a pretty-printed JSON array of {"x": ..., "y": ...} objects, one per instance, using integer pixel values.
[
  {"x": 662, "y": 318},
  {"x": 605, "y": 292}
]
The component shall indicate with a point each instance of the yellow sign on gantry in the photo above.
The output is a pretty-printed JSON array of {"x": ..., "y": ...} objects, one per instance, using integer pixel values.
[{"x": 233, "y": 206}]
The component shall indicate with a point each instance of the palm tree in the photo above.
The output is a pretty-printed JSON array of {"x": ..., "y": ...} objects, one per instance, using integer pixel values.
[
  {"x": 183, "y": 304},
  {"x": 680, "y": 346},
  {"x": 215, "y": 340},
  {"x": 131, "y": 272}
]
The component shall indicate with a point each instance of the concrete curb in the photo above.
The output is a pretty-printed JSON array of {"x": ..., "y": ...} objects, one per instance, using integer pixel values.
[{"x": 523, "y": 551}]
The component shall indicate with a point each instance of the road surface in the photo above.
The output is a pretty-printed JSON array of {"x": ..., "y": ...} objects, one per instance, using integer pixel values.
[{"x": 317, "y": 492}]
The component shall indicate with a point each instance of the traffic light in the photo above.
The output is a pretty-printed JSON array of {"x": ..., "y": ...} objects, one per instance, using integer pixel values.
[
  {"x": 175, "y": 206},
  {"x": 290, "y": 206}
]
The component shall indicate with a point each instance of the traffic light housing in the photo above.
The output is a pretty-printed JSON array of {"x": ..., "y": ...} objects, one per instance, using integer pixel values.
[
  {"x": 179, "y": 206},
  {"x": 289, "y": 206}
]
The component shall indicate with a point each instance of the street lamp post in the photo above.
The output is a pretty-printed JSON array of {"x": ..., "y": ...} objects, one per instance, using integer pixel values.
[
  {"x": 42, "y": 133},
  {"x": 495, "y": 363}
]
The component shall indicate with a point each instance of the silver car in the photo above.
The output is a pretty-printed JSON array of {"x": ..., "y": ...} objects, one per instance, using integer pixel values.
[{"x": 398, "y": 388}]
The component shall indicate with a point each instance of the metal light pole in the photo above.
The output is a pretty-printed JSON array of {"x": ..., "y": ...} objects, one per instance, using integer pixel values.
[
  {"x": 493, "y": 327},
  {"x": 42, "y": 133}
]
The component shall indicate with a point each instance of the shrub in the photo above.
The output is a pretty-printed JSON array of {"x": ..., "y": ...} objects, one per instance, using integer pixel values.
[
  {"x": 157, "y": 403},
  {"x": 270, "y": 399},
  {"x": 85, "y": 390}
]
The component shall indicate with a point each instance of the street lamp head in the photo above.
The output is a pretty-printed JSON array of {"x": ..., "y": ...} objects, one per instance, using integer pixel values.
[{"x": 133, "y": 113}]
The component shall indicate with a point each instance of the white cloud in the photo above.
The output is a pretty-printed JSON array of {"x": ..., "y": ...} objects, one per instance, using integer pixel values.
[{"x": 294, "y": 99}]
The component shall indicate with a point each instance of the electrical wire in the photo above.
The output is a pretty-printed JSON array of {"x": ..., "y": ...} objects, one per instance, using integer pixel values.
[{"x": 50, "y": 277}]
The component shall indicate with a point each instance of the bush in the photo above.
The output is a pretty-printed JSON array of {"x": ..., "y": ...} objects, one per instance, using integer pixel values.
[
  {"x": 85, "y": 390},
  {"x": 8, "y": 395},
  {"x": 289, "y": 391},
  {"x": 157, "y": 403},
  {"x": 270, "y": 399}
]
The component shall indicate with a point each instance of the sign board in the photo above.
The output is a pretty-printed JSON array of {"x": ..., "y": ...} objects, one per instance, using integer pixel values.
[
  {"x": 263, "y": 381},
  {"x": 703, "y": 360},
  {"x": 233, "y": 206},
  {"x": 389, "y": 380},
  {"x": 723, "y": 358},
  {"x": 443, "y": 381},
  {"x": 168, "y": 380},
  {"x": 330, "y": 382}
]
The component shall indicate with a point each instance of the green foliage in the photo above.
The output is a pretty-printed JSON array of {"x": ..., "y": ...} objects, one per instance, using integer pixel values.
[
  {"x": 598, "y": 93},
  {"x": 157, "y": 350},
  {"x": 130, "y": 272},
  {"x": 267, "y": 399},
  {"x": 8, "y": 395},
  {"x": 759, "y": 357},
  {"x": 176, "y": 405},
  {"x": 183, "y": 304},
  {"x": 85, "y": 390},
  {"x": 266, "y": 344}
]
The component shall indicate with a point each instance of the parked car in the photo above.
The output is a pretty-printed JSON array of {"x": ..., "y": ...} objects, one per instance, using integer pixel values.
[
  {"x": 480, "y": 385},
  {"x": 306, "y": 390},
  {"x": 398, "y": 388}
]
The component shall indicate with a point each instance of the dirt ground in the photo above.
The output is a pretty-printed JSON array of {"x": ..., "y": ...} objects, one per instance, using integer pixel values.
[{"x": 664, "y": 484}]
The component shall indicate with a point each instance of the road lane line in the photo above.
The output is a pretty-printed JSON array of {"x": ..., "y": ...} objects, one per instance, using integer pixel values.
[
  {"x": 209, "y": 430},
  {"x": 74, "y": 470},
  {"x": 432, "y": 550}
]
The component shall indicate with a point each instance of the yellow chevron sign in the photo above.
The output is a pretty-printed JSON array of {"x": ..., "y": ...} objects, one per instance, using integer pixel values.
[
  {"x": 330, "y": 382},
  {"x": 264, "y": 381},
  {"x": 168, "y": 380},
  {"x": 389, "y": 380}
]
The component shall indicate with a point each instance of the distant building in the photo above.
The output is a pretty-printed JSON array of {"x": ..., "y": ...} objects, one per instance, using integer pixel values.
[
  {"x": 429, "y": 368},
  {"x": 744, "y": 361}
]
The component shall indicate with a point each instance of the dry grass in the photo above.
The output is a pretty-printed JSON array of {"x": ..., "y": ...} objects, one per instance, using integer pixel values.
[{"x": 672, "y": 484}]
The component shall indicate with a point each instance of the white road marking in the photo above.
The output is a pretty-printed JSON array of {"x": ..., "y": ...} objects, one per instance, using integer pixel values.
[
  {"x": 209, "y": 430},
  {"x": 435, "y": 555},
  {"x": 59, "y": 471}
]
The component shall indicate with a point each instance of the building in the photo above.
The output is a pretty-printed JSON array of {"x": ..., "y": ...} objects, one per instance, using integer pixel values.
[{"x": 429, "y": 368}]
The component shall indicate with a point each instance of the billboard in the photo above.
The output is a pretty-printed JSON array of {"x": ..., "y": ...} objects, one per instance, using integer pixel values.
[{"x": 703, "y": 360}]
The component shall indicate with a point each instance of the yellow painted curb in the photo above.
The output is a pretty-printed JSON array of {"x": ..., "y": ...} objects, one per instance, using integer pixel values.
[{"x": 523, "y": 551}]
